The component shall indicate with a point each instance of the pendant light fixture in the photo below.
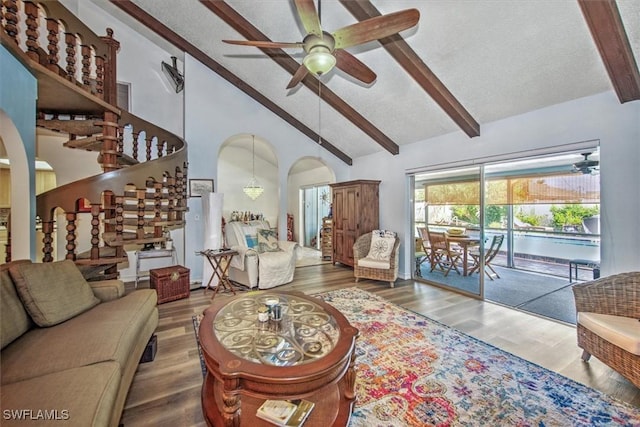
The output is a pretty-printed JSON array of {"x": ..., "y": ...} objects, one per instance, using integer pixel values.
[{"x": 253, "y": 189}]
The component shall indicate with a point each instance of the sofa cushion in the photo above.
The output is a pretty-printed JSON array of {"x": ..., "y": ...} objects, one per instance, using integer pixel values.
[
  {"x": 52, "y": 292},
  {"x": 623, "y": 332},
  {"x": 109, "y": 331},
  {"x": 382, "y": 243},
  {"x": 250, "y": 235},
  {"x": 268, "y": 241},
  {"x": 14, "y": 318},
  {"x": 83, "y": 396},
  {"x": 374, "y": 263}
]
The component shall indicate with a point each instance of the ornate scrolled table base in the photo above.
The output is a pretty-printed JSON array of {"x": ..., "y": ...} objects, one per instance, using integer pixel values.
[{"x": 310, "y": 354}]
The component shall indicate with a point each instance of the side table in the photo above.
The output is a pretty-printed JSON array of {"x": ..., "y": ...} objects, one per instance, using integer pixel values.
[{"x": 219, "y": 260}]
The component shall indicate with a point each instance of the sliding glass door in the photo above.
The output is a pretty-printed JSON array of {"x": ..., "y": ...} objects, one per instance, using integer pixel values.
[
  {"x": 516, "y": 219},
  {"x": 447, "y": 227}
]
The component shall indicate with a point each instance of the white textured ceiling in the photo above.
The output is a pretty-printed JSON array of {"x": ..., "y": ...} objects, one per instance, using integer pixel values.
[{"x": 499, "y": 58}]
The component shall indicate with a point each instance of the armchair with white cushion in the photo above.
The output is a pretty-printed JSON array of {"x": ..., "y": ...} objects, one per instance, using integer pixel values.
[
  {"x": 608, "y": 326},
  {"x": 375, "y": 256},
  {"x": 262, "y": 261}
]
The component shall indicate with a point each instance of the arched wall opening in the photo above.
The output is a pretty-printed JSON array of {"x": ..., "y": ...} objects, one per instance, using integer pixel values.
[
  {"x": 21, "y": 211},
  {"x": 242, "y": 157},
  {"x": 305, "y": 175}
]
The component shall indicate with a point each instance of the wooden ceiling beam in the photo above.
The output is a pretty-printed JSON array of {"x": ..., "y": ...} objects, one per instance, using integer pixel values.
[
  {"x": 172, "y": 37},
  {"x": 607, "y": 29},
  {"x": 247, "y": 30},
  {"x": 416, "y": 68}
]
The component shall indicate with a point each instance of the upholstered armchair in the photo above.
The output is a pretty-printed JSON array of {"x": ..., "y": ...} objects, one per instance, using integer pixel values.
[
  {"x": 375, "y": 256},
  {"x": 262, "y": 260},
  {"x": 608, "y": 313}
]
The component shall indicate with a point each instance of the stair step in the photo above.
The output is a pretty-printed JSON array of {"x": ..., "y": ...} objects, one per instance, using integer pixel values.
[
  {"x": 90, "y": 143},
  {"x": 129, "y": 238},
  {"x": 75, "y": 127},
  {"x": 148, "y": 223},
  {"x": 126, "y": 160}
]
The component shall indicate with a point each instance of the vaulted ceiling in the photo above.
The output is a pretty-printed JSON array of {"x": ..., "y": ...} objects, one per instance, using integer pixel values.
[{"x": 465, "y": 64}]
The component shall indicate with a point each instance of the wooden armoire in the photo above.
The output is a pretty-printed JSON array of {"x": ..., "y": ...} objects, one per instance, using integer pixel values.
[{"x": 356, "y": 211}]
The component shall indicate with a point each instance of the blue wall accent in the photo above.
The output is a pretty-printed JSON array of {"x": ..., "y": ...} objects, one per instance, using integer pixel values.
[{"x": 18, "y": 94}]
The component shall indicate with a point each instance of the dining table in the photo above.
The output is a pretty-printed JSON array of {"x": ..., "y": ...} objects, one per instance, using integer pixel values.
[{"x": 465, "y": 242}]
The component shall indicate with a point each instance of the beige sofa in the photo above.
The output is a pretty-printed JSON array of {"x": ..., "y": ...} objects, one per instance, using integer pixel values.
[{"x": 70, "y": 348}]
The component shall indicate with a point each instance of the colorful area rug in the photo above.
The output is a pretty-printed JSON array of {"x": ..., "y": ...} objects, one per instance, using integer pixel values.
[{"x": 414, "y": 371}]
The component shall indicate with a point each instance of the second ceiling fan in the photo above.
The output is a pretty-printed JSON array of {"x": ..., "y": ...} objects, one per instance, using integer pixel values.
[{"x": 325, "y": 50}]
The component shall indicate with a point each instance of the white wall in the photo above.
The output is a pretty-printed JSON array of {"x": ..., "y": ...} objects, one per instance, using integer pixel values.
[
  {"x": 600, "y": 117},
  {"x": 234, "y": 168},
  {"x": 230, "y": 112}
]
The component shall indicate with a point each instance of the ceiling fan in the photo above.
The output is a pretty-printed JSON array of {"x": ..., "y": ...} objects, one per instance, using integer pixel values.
[
  {"x": 325, "y": 50},
  {"x": 586, "y": 166}
]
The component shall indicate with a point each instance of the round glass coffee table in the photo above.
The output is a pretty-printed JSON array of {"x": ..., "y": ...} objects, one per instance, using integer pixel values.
[{"x": 309, "y": 353}]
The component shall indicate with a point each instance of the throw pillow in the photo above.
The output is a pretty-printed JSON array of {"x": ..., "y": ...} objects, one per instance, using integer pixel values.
[
  {"x": 268, "y": 241},
  {"x": 250, "y": 236},
  {"x": 15, "y": 320},
  {"x": 52, "y": 292},
  {"x": 382, "y": 242}
]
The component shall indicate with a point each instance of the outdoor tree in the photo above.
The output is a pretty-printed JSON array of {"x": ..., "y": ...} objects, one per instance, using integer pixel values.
[{"x": 571, "y": 214}]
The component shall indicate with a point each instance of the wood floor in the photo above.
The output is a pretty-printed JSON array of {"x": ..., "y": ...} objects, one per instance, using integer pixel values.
[{"x": 166, "y": 392}]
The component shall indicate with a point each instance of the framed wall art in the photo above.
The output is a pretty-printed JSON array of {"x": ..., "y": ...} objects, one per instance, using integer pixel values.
[{"x": 198, "y": 187}]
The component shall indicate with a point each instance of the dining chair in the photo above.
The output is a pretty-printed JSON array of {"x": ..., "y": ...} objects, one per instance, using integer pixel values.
[
  {"x": 489, "y": 255},
  {"x": 423, "y": 249},
  {"x": 443, "y": 256}
]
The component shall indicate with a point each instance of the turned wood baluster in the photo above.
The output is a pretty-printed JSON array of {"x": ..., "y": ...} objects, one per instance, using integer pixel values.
[
  {"x": 109, "y": 79},
  {"x": 31, "y": 10},
  {"x": 53, "y": 31},
  {"x": 11, "y": 19},
  {"x": 71, "y": 236},
  {"x": 119, "y": 215},
  {"x": 85, "y": 52},
  {"x": 134, "y": 144},
  {"x": 47, "y": 249},
  {"x": 180, "y": 194},
  {"x": 160, "y": 147},
  {"x": 148, "y": 140},
  {"x": 70, "y": 40},
  {"x": 120, "y": 142},
  {"x": 7, "y": 246},
  {"x": 140, "y": 195},
  {"x": 95, "y": 230},
  {"x": 100, "y": 76},
  {"x": 171, "y": 188},
  {"x": 157, "y": 207}
]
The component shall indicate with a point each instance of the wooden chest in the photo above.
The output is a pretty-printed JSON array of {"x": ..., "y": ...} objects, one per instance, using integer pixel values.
[{"x": 171, "y": 283}]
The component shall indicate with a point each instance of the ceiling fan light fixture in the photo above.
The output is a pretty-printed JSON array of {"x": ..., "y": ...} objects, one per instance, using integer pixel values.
[{"x": 319, "y": 60}]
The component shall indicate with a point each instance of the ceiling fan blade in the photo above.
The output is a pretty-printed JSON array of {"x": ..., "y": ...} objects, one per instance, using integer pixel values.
[
  {"x": 353, "y": 66},
  {"x": 265, "y": 44},
  {"x": 309, "y": 16},
  {"x": 375, "y": 28},
  {"x": 300, "y": 74}
]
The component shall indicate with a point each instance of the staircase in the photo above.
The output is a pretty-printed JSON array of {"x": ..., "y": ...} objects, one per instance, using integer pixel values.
[{"x": 141, "y": 194}]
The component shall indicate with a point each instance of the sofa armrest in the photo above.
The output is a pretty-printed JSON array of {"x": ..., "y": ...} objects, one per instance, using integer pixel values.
[
  {"x": 617, "y": 295},
  {"x": 107, "y": 290},
  {"x": 287, "y": 246}
]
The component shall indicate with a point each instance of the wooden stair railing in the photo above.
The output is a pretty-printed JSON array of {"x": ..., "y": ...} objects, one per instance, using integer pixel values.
[{"x": 135, "y": 200}]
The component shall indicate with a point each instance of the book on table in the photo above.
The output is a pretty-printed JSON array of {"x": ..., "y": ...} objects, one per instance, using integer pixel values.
[{"x": 285, "y": 413}]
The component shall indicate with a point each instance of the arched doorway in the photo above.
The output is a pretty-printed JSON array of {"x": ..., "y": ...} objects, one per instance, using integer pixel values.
[{"x": 309, "y": 198}]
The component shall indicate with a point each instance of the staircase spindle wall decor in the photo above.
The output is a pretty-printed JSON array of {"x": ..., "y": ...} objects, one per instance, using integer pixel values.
[{"x": 77, "y": 96}]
